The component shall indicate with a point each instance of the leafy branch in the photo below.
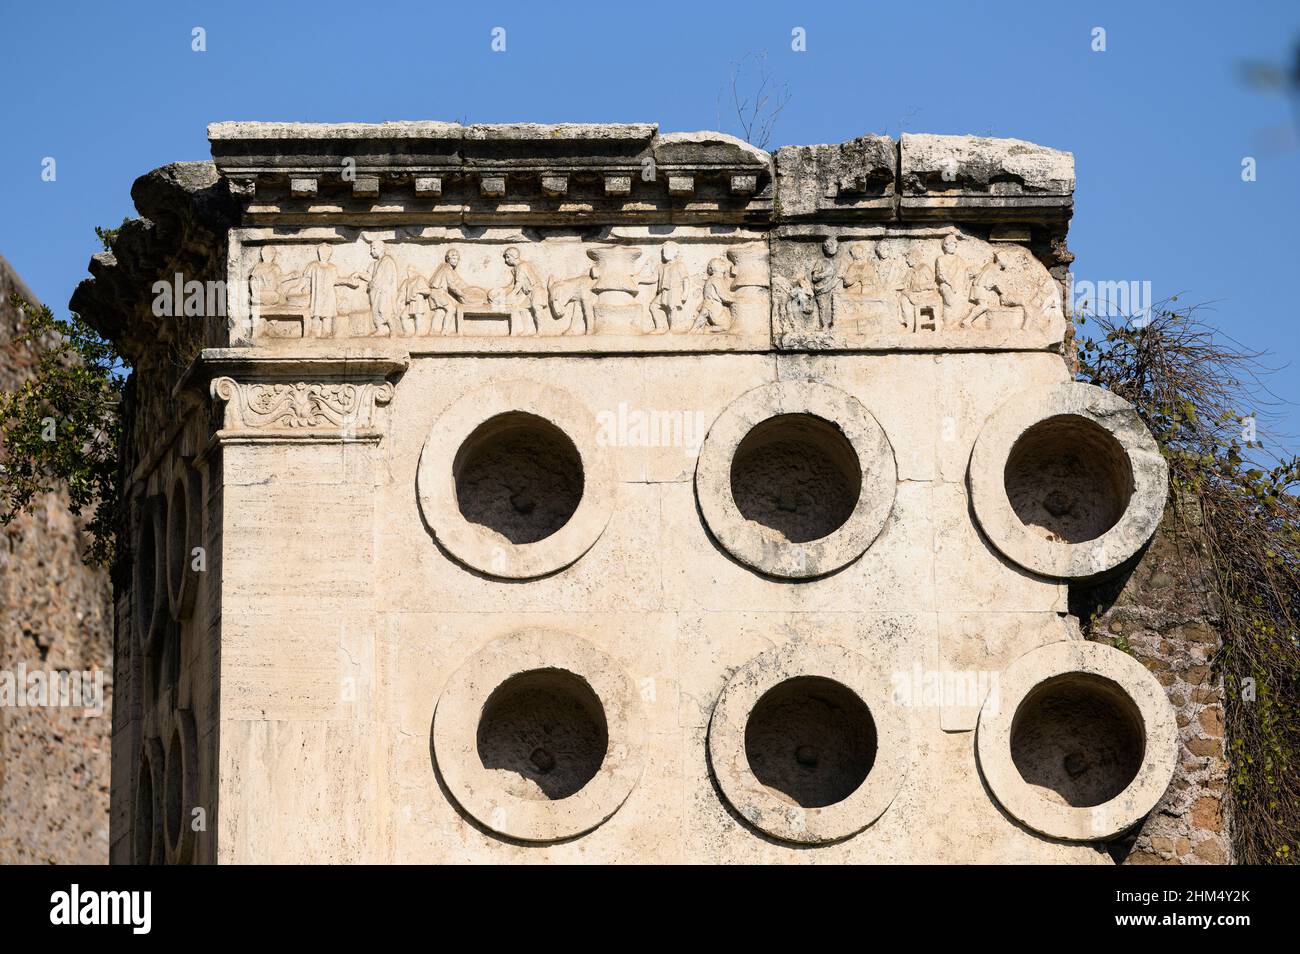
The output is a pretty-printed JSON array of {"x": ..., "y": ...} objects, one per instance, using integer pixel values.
[
  {"x": 1237, "y": 500},
  {"x": 60, "y": 428}
]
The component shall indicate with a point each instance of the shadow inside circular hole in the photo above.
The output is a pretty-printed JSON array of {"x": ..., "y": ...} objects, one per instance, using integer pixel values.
[
  {"x": 518, "y": 475},
  {"x": 546, "y": 727},
  {"x": 811, "y": 741},
  {"x": 144, "y": 820},
  {"x": 175, "y": 550},
  {"x": 163, "y": 663},
  {"x": 1078, "y": 739},
  {"x": 172, "y": 790},
  {"x": 1068, "y": 479},
  {"x": 147, "y": 572},
  {"x": 798, "y": 475}
]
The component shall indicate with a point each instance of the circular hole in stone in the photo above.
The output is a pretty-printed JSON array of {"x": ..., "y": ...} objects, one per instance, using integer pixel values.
[
  {"x": 144, "y": 820},
  {"x": 1078, "y": 740},
  {"x": 547, "y": 729},
  {"x": 811, "y": 741},
  {"x": 1068, "y": 479},
  {"x": 518, "y": 475},
  {"x": 798, "y": 475},
  {"x": 172, "y": 789}
]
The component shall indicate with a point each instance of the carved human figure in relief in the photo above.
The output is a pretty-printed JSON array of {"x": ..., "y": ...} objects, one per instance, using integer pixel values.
[
  {"x": 881, "y": 277},
  {"x": 447, "y": 294},
  {"x": 381, "y": 286},
  {"x": 925, "y": 304},
  {"x": 320, "y": 280},
  {"x": 954, "y": 279},
  {"x": 873, "y": 283},
  {"x": 265, "y": 280},
  {"x": 414, "y": 295},
  {"x": 889, "y": 276},
  {"x": 526, "y": 294},
  {"x": 672, "y": 290},
  {"x": 715, "y": 307},
  {"x": 858, "y": 273},
  {"x": 824, "y": 281},
  {"x": 984, "y": 293}
]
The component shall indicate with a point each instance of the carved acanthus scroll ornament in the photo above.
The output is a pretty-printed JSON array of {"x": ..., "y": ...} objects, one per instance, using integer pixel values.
[{"x": 299, "y": 405}]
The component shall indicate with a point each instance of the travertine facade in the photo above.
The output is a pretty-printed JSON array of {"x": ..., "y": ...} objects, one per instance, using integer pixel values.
[{"x": 585, "y": 493}]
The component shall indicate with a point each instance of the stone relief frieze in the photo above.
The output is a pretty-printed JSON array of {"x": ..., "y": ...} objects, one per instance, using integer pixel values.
[
  {"x": 458, "y": 285},
  {"x": 911, "y": 289},
  {"x": 881, "y": 288}
]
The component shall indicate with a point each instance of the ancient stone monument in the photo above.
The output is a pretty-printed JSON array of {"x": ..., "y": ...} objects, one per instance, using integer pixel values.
[{"x": 586, "y": 493}]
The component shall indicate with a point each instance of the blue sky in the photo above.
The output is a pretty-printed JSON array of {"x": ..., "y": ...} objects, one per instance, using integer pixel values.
[{"x": 1159, "y": 123}]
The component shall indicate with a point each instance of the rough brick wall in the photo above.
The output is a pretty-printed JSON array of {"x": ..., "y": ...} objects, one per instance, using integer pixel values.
[
  {"x": 1161, "y": 614},
  {"x": 54, "y": 615}
]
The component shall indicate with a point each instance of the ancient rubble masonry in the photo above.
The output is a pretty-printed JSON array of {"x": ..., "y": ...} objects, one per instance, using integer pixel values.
[
  {"x": 55, "y": 617},
  {"x": 587, "y": 493}
]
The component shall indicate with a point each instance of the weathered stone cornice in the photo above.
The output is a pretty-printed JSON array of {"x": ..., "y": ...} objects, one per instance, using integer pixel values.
[
  {"x": 185, "y": 210},
  {"x": 337, "y": 361},
  {"x": 969, "y": 178},
  {"x": 529, "y": 173},
  {"x": 925, "y": 178},
  {"x": 518, "y": 172}
]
